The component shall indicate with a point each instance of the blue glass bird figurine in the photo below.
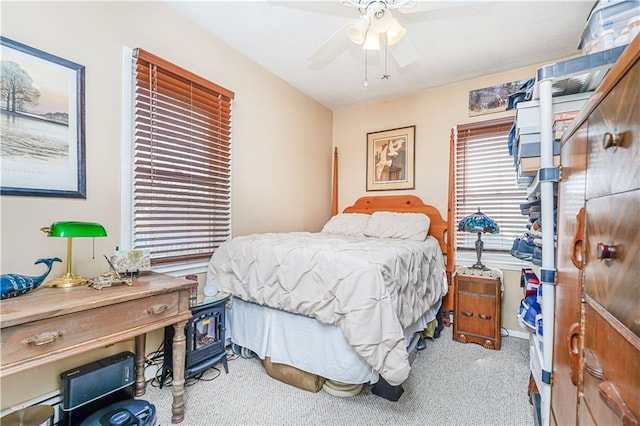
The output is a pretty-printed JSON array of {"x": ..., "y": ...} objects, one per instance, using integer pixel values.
[{"x": 16, "y": 285}]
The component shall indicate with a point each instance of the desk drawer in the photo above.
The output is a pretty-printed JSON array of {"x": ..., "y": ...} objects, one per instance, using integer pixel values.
[{"x": 41, "y": 338}]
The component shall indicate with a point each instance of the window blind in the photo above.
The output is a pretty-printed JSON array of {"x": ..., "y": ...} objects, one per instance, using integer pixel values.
[
  {"x": 182, "y": 162},
  {"x": 485, "y": 180}
]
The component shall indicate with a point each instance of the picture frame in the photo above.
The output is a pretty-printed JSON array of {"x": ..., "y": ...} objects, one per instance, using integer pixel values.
[
  {"x": 391, "y": 159},
  {"x": 43, "y": 123},
  {"x": 489, "y": 100}
]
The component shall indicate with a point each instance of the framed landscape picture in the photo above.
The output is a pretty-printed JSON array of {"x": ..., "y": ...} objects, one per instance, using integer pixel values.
[
  {"x": 390, "y": 159},
  {"x": 42, "y": 131},
  {"x": 492, "y": 99}
]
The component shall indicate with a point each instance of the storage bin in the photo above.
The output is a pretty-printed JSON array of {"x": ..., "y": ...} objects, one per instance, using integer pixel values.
[{"x": 610, "y": 24}]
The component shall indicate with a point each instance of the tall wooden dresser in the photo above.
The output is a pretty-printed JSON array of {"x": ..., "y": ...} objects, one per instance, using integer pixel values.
[{"x": 597, "y": 353}]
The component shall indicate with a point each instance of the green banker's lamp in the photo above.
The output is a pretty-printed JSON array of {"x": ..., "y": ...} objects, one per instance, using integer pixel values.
[{"x": 71, "y": 230}]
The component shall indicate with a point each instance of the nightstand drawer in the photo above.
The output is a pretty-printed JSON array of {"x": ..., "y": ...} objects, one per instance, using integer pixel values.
[
  {"x": 62, "y": 333},
  {"x": 476, "y": 285}
]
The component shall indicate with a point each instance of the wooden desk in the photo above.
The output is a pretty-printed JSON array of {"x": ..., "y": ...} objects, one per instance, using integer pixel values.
[{"x": 50, "y": 324}]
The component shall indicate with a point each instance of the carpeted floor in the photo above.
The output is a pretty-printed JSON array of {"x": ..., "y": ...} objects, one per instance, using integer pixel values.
[{"x": 450, "y": 384}]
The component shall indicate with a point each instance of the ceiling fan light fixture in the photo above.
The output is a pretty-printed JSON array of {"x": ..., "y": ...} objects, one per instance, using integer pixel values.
[
  {"x": 357, "y": 31},
  {"x": 381, "y": 20},
  {"x": 395, "y": 32},
  {"x": 372, "y": 41}
]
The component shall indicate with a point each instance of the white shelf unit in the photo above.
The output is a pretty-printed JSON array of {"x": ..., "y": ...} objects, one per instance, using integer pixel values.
[{"x": 578, "y": 75}]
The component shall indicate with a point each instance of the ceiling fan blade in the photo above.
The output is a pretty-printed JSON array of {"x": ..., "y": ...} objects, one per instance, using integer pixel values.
[
  {"x": 404, "y": 52},
  {"x": 330, "y": 49}
]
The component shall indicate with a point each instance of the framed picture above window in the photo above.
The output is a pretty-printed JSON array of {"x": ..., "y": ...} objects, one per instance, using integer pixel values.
[
  {"x": 390, "y": 159},
  {"x": 42, "y": 131}
]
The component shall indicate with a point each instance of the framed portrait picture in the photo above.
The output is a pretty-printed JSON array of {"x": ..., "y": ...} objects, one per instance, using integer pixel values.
[
  {"x": 390, "y": 159},
  {"x": 42, "y": 131}
]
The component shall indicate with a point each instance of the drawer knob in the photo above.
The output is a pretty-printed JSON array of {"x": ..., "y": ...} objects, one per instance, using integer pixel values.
[
  {"x": 610, "y": 140},
  {"x": 157, "y": 309},
  {"x": 484, "y": 316},
  {"x": 44, "y": 338},
  {"x": 467, "y": 313},
  {"x": 606, "y": 251}
]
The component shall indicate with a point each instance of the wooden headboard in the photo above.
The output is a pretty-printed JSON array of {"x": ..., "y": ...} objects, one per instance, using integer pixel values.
[{"x": 406, "y": 204}]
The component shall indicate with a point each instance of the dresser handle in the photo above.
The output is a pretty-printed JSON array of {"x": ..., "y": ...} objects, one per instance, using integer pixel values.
[
  {"x": 573, "y": 339},
  {"x": 576, "y": 244},
  {"x": 484, "y": 316},
  {"x": 467, "y": 313},
  {"x": 157, "y": 309},
  {"x": 611, "y": 397},
  {"x": 606, "y": 251},
  {"x": 591, "y": 364},
  {"x": 44, "y": 338},
  {"x": 609, "y": 140}
]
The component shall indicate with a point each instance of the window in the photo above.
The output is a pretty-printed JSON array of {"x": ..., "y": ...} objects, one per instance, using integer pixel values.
[
  {"x": 485, "y": 179},
  {"x": 181, "y": 176}
]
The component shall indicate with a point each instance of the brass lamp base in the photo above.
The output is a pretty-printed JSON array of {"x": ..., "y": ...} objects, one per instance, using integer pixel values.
[{"x": 67, "y": 280}]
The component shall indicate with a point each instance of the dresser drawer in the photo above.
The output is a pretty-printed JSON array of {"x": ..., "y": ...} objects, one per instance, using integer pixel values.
[
  {"x": 57, "y": 334},
  {"x": 611, "y": 364},
  {"x": 615, "y": 122},
  {"x": 613, "y": 230}
]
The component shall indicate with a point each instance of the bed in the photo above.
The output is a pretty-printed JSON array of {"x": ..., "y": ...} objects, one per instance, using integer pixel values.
[{"x": 344, "y": 303}]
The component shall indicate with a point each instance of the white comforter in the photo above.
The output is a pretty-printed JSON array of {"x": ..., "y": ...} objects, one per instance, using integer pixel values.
[{"x": 371, "y": 288}]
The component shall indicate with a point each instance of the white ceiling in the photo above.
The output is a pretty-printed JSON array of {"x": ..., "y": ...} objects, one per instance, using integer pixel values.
[{"x": 454, "y": 40}]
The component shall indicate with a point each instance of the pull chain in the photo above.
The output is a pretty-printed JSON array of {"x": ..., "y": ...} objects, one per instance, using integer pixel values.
[
  {"x": 366, "y": 81},
  {"x": 386, "y": 75}
]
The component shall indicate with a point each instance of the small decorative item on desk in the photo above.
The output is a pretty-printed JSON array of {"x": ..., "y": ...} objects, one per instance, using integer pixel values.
[
  {"x": 478, "y": 223},
  {"x": 109, "y": 278},
  {"x": 71, "y": 230},
  {"x": 16, "y": 285},
  {"x": 129, "y": 263}
]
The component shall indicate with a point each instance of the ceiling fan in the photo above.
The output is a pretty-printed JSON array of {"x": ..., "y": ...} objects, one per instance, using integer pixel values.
[{"x": 374, "y": 28}]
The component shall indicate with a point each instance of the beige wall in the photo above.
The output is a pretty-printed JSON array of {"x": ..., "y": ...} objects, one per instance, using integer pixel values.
[
  {"x": 281, "y": 141},
  {"x": 434, "y": 112}
]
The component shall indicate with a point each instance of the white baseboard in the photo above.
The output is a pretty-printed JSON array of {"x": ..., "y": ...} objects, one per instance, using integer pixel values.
[{"x": 518, "y": 334}]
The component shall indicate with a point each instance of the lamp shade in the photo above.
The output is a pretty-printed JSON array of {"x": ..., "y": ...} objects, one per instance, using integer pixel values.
[
  {"x": 357, "y": 31},
  {"x": 395, "y": 32},
  {"x": 71, "y": 230},
  {"x": 76, "y": 229},
  {"x": 372, "y": 41},
  {"x": 478, "y": 222}
]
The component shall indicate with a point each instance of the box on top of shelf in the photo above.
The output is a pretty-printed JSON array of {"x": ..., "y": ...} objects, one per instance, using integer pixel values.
[
  {"x": 528, "y": 113},
  {"x": 611, "y": 23}
]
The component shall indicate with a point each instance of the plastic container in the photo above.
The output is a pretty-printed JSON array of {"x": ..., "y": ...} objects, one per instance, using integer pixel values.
[{"x": 610, "y": 24}]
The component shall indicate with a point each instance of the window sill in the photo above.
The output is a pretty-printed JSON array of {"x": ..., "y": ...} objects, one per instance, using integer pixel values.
[
  {"x": 502, "y": 261},
  {"x": 182, "y": 269}
]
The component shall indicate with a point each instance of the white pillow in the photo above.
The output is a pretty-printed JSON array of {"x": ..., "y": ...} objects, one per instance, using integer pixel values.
[
  {"x": 406, "y": 226},
  {"x": 350, "y": 224}
]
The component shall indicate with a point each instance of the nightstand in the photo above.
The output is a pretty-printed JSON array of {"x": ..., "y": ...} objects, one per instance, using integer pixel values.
[{"x": 477, "y": 302}]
